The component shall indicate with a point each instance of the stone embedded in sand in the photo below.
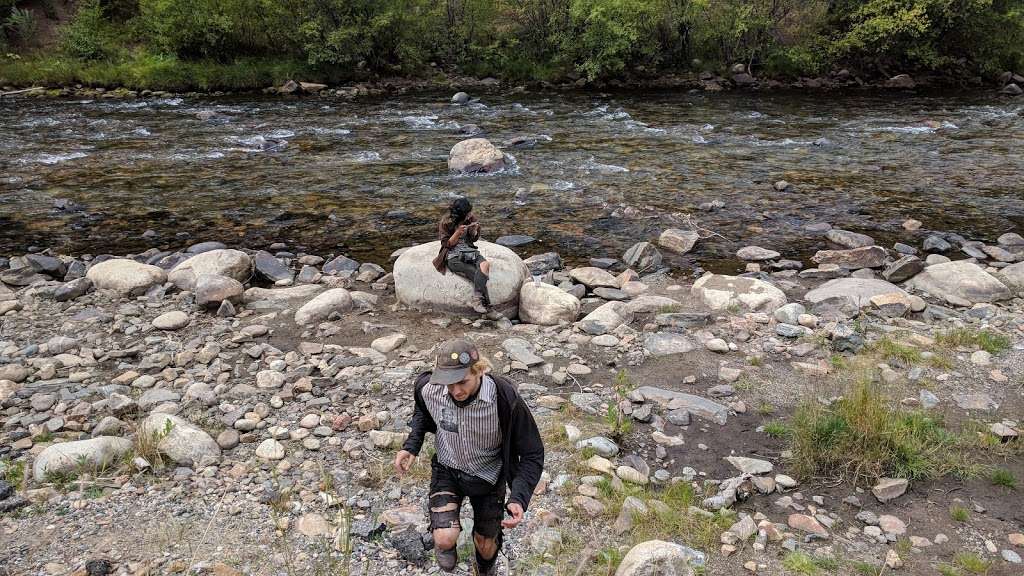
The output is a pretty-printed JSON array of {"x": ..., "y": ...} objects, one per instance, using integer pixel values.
[
  {"x": 889, "y": 489},
  {"x": 322, "y": 306},
  {"x": 720, "y": 292},
  {"x": 806, "y": 523},
  {"x": 856, "y": 291},
  {"x": 174, "y": 320},
  {"x": 313, "y": 525},
  {"x": 388, "y": 343},
  {"x": 270, "y": 449},
  {"x": 605, "y": 318},
  {"x": 750, "y": 465},
  {"x": 668, "y": 343},
  {"x": 707, "y": 409},
  {"x": 660, "y": 558}
]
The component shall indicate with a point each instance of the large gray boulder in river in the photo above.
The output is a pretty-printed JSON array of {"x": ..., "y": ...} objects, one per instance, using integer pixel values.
[
  {"x": 229, "y": 263},
  {"x": 419, "y": 285},
  {"x": 960, "y": 281},
  {"x": 475, "y": 155}
]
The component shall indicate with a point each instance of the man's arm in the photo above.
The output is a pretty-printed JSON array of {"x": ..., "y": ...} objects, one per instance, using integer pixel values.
[
  {"x": 531, "y": 455},
  {"x": 422, "y": 422}
]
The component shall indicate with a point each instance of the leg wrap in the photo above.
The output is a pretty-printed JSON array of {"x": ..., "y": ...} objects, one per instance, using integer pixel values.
[{"x": 444, "y": 510}]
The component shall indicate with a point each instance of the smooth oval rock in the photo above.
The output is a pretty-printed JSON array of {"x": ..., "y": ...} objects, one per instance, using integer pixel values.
[
  {"x": 212, "y": 289},
  {"x": 321, "y": 307},
  {"x": 960, "y": 280},
  {"x": 419, "y": 285},
  {"x": 660, "y": 558},
  {"x": 182, "y": 441},
  {"x": 225, "y": 262},
  {"x": 720, "y": 292},
  {"x": 547, "y": 305},
  {"x": 70, "y": 457},
  {"x": 174, "y": 320},
  {"x": 125, "y": 277}
]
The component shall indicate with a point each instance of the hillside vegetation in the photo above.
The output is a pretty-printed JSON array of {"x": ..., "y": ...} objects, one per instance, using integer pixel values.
[{"x": 242, "y": 43}]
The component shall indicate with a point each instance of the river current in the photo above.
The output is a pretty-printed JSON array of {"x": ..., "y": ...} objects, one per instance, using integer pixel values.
[{"x": 604, "y": 170}]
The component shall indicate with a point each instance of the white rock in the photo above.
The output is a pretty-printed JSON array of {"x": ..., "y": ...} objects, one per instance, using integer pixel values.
[
  {"x": 182, "y": 441},
  {"x": 605, "y": 318},
  {"x": 660, "y": 558},
  {"x": 750, "y": 465},
  {"x": 961, "y": 280},
  {"x": 593, "y": 277},
  {"x": 419, "y": 285},
  {"x": 174, "y": 320},
  {"x": 69, "y": 457},
  {"x": 388, "y": 343},
  {"x": 678, "y": 241},
  {"x": 720, "y": 292},
  {"x": 857, "y": 291},
  {"x": 547, "y": 305},
  {"x": 125, "y": 277},
  {"x": 320, "y": 308},
  {"x": 224, "y": 262},
  {"x": 270, "y": 449},
  {"x": 475, "y": 155},
  {"x": 282, "y": 295}
]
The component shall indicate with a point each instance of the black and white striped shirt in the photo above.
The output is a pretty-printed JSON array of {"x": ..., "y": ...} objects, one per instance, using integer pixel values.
[{"x": 468, "y": 437}]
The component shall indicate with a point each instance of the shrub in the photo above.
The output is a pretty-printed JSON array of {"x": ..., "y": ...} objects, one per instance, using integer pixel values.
[
  {"x": 21, "y": 25},
  {"x": 87, "y": 36},
  {"x": 860, "y": 437}
]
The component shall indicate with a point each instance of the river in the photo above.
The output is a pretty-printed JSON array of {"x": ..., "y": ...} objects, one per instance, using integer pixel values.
[{"x": 369, "y": 176}]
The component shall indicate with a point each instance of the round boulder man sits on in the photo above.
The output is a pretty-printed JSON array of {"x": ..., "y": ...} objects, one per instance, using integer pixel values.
[{"x": 486, "y": 438}]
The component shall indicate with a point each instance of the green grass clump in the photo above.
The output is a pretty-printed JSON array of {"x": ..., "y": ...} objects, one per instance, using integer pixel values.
[
  {"x": 797, "y": 562},
  {"x": 988, "y": 340},
  {"x": 892, "y": 351},
  {"x": 864, "y": 436},
  {"x": 972, "y": 563},
  {"x": 1003, "y": 477},
  {"x": 776, "y": 429},
  {"x": 959, "y": 513}
]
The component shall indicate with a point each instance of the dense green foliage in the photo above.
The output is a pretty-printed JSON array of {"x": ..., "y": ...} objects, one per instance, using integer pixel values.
[{"x": 541, "y": 39}]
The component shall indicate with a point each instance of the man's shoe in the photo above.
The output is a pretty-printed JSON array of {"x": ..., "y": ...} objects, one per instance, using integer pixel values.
[
  {"x": 446, "y": 559},
  {"x": 478, "y": 305},
  {"x": 495, "y": 569}
]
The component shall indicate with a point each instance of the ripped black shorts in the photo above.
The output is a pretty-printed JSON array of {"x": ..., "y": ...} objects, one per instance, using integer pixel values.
[{"x": 449, "y": 485}]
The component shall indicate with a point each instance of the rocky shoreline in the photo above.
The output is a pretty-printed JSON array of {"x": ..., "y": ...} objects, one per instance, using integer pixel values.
[
  {"x": 235, "y": 410},
  {"x": 1009, "y": 84}
]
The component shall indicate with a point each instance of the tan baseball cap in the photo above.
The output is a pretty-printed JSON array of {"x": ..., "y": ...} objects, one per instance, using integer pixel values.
[{"x": 454, "y": 360}]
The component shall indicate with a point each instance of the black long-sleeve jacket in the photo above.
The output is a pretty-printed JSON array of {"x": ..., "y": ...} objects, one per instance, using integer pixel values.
[{"x": 522, "y": 450}]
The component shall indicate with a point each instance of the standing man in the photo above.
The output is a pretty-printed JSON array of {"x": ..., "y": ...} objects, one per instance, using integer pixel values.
[{"x": 486, "y": 438}]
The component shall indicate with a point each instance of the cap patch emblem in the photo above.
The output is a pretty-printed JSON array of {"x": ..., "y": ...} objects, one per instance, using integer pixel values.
[{"x": 464, "y": 358}]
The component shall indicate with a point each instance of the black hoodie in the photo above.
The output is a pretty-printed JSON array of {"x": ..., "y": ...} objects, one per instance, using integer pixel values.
[{"x": 522, "y": 450}]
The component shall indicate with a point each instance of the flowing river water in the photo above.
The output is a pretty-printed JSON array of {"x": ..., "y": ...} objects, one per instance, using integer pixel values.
[{"x": 607, "y": 170}]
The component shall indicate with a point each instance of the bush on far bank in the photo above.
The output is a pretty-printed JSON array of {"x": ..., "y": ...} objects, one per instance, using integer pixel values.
[{"x": 521, "y": 40}]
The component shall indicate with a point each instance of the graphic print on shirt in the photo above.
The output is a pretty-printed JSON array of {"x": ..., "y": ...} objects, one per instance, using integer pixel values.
[{"x": 449, "y": 420}]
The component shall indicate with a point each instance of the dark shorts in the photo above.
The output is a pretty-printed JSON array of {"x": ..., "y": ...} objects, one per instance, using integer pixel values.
[{"x": 448, "y": 485}]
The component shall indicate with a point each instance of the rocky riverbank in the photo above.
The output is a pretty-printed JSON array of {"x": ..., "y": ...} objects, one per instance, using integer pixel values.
[
  {"x": 217, "y": 410},
  {"x": 1009, "y": 84}
]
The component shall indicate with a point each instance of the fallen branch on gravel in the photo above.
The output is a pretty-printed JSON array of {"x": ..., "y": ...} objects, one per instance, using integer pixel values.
[{"x": 22, "y": 91}]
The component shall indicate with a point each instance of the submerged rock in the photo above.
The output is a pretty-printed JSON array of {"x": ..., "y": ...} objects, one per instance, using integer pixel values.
[{"x": 475, "y": 155}]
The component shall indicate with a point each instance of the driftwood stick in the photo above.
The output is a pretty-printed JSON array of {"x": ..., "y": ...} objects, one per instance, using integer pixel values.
[{"x": 13, "y": 92}]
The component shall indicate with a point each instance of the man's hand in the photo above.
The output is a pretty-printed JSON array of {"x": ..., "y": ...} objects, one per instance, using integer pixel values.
[
  {"x": 403, "y": 461},
  {"x": 516, "y": 510}
]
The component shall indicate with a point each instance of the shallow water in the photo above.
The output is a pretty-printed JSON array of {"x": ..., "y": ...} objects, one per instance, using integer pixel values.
[{"x": 367, "y": 177}]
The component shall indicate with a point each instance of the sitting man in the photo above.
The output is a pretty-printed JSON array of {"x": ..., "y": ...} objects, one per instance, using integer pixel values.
[{"x": 486, "y": 438}]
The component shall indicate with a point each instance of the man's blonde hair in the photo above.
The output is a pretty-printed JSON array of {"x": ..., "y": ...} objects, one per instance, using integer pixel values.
[{"x": 481, "y": 366}]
